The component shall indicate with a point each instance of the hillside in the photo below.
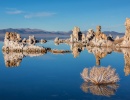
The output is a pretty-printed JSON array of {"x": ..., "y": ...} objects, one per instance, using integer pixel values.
[{"x": 25, "y": 32}]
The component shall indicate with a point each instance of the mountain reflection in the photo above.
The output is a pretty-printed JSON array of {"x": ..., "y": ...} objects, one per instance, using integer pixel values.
[{"x": 102, "y": 90}]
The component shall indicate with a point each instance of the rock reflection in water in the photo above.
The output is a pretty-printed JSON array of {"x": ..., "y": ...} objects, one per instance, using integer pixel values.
[
  {"x": 126, "y": 53},
  {"x": 102, "y": 90},
  {"x": 99, "y": 53},
  {"x": 76, "y": 48},
  {"x": 13, "y": 59}
]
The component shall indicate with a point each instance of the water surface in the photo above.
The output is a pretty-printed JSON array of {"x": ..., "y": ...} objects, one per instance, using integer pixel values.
[{"x": 57, "y": 76}]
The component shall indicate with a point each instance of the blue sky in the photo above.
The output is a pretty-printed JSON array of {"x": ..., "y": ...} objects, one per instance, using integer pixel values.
[{"x": 63, "y": 15}]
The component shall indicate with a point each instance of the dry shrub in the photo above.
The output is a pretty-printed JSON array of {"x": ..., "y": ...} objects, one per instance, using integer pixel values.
[{"x": 100, "y": 75}]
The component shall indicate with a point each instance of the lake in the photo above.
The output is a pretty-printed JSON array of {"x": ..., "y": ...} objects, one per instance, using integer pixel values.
[{"x": 57, "y": 76}]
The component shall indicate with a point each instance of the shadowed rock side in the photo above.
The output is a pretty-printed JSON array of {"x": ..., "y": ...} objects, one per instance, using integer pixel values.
[
  {"x": 98, "y": 38},
  {"x": 102, "y": 90}
]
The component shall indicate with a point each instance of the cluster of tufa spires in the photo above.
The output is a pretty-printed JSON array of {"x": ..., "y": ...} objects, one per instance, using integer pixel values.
[
  {"x": 14, "y": 43},
  {"x": 98, "y": 38}
]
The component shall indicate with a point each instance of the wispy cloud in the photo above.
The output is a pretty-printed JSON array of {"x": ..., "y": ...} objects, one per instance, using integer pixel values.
[
  {"x": 25, "y": 14},
  {"x": 14, "y": 11},
  {"x": 39, "y": 14}
]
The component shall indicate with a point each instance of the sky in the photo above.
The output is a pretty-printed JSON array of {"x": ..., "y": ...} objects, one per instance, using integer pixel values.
[{"x": 63, "y": 15}]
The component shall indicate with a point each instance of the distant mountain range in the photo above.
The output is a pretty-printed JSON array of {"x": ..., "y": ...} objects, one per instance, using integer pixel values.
[{"x": 25, "y": 32}]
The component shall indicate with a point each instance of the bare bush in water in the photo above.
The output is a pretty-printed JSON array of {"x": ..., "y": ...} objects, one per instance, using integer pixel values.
[{"x": 100, "y": 75}]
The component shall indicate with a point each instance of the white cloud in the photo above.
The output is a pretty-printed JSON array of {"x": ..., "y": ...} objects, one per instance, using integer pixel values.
[
  {"x": 39, "y": 14},
  {"x": 14, "y": 11}
]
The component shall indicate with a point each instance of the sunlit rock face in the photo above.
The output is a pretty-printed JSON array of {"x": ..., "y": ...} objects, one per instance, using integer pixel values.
[
  {"x": 13, "y": 42},
  {"x": 99, "y": 34},
  {"x": 31, "y": 40},
  {"x": 100, "y": 39},
  {"x": 127, "y": 33},
  {"x": 56, "y": 40},
  {"x": 77, "y": 35},
  {"x": 126, "y": 41}
]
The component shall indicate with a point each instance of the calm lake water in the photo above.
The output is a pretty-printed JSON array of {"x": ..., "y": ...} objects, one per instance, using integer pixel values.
[{"x": 57, "y": 76}]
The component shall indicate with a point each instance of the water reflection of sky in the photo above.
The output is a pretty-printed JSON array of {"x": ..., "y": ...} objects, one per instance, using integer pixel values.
[{"x": 57, "y": 76}]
